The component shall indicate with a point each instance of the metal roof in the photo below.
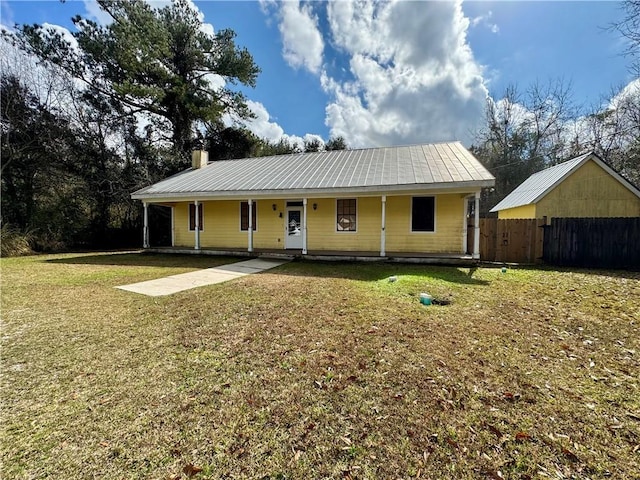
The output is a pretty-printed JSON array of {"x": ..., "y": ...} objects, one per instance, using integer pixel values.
[
  {"x": 442, "y": 165},
  {"x": 534, "y": 188}
]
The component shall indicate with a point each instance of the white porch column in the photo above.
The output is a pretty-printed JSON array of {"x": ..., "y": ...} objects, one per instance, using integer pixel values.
[
  {"x": 304, "y": 226},
  {"x": 197, "y": 224},
  {"x": 383, "y": 235},
  {"x": 476, "y": 227},
  {"x": 465, "y": 212},
  {"x": 173, "y": 226},
  {"x": 145, "y": 230},
  {"x": 250, "y": 240}
]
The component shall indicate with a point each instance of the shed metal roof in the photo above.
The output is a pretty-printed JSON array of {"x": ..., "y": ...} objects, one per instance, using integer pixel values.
[
  {"x": 442, "y": 165},
  {"x": 534, "y": 188}
]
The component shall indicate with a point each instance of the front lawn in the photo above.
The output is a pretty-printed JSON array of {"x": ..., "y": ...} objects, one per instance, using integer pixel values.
[{"x": 317, "y": 370}]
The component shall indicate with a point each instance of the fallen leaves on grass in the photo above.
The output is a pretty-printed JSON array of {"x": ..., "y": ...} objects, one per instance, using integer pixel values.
[
  {"x": 522, "y": 436},
  {"x": 321, "y": 371},
  {"x": 570, "y": 455},
  {"x": 191, "y": 470}
]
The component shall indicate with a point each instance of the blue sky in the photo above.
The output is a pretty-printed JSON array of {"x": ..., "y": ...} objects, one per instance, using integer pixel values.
[{"x": 398, "y": 72}]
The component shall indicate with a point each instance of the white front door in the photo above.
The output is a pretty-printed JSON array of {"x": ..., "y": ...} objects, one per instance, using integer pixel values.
[{"x": 294, "y": 228}]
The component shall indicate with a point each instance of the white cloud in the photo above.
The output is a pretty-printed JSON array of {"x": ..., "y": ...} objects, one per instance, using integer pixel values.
[
  {"x": 485, "y": 20},
  {"x": 94, "y": 12},
  {"x": 66, "y": 34},
  {"x": 411, "y": 76},
  {"x": 631, "y": 92},
  {"x": 312, "y": 137},
  {"x": 414, "y": 76},
  {"x": 263, "y": 126},
  {"x": 216, "y": 82},
  {"x": 302, "y": 41},
  {"x": 6, "y": 16}
]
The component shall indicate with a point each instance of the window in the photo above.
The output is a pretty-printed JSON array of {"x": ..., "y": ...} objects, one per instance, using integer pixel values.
[
  {"x": 423, "y": 218},
  {"x": 346, "y": 215},
  {"x": 244, "y": 216},
  {"x": 192, "y": 216}
]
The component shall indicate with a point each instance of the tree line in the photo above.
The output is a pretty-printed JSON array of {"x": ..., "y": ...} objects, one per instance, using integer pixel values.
[
  {"x": 90, "y": 118},
  {"x": 527, "y": 131}
]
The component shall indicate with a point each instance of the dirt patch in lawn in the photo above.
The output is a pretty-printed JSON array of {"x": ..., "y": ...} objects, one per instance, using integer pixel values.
[{"x": 320, "y": 370}]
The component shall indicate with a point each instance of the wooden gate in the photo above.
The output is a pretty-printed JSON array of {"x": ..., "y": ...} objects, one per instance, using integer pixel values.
[{"x": 511, "y": 241}]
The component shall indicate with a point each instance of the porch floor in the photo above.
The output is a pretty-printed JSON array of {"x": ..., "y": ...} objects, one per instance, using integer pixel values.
[{"x": 328, "y": 255}]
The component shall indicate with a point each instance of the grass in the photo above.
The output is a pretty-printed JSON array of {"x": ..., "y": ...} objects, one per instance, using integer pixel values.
[{"x": 317, "y": 370}]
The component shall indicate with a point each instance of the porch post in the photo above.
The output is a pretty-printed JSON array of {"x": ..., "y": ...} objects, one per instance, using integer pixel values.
[
  {"x": 383, "y": 237},
  {"x": 304, "y": 226},
  {"x": 250, "y": 202},
  {"x": 197, "y": 224},
  {"x": 173, "y": 226},
  {"x": 465, "y": 233},
  {"x": 145, "y": 229},
  {"x": 476, "y": 225}
]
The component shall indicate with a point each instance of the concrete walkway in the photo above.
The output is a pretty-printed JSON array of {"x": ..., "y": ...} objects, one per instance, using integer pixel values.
[{"x": 200, "y": 278}]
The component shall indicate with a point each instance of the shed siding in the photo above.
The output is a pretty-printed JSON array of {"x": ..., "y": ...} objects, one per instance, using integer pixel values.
[
  {"x": 589, "y": 192},
  {"x": 525, "y": 211}
]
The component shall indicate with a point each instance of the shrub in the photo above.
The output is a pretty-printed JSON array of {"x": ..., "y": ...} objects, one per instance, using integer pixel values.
[{"x": 14, "y": 242}]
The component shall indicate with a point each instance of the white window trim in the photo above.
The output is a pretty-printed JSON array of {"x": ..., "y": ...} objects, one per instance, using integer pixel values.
[
  {"x": 254, "y": 208},
  {"x": 335, "y": 216},
  {"x": 200, "y": 208},
  {"x": 435, "y": 217}
]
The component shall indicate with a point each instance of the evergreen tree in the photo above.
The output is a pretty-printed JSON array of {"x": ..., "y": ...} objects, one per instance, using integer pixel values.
[{"x": 157, "y": 62}]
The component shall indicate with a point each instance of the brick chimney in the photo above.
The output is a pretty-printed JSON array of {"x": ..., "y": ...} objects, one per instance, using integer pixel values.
[{"x": 199, "y": 158}]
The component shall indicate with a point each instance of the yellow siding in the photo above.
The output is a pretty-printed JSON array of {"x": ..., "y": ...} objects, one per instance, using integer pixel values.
[
  {"x": 270, "y": 232},
  {"x": 183, "y": 237},
  {"x": 321, "y": 226},
  {"x": 221, "y": 224},
  {"x": 447, "y": 237},
  {"x": 589, "y": 192},
  {"x": 525, "y": 211}
]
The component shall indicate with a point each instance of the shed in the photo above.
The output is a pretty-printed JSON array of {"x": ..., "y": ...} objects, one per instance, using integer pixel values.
[{"x": 582, "y": 187}]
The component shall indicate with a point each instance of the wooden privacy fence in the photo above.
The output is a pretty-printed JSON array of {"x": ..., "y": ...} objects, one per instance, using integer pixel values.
[
  {"x": 511, "y": 241},
  {"x": 580, "y": 242},
  {"x": 593, "y": 242}
]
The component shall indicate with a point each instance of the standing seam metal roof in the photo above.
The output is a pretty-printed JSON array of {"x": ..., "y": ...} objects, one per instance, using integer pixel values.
[
  {"x": 342, "y": 169},
  {"x": 538, "y": 184}
]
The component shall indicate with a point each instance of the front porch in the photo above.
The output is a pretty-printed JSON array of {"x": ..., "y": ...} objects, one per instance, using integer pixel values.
[
  {"x": 363, "y": 227},
  {"x": 329, "y": 255}
]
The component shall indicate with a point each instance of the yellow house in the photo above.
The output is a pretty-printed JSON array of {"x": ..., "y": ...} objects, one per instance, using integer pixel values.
[
  {"x": 584, "y": 186},
  {"x": 384, "y": 202}
]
